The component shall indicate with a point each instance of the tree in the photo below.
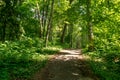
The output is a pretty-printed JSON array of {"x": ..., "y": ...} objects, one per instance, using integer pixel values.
[
  {"x": 49, "y": 26},
  {"x": 89, "y": 25},
  {"x": 10, "y": 28}
]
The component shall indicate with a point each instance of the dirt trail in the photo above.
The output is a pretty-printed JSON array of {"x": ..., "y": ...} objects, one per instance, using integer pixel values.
[{"x": 66, "y": 65}]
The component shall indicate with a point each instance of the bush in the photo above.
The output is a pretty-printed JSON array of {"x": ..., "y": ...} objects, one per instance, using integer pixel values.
[{"x": 21, "y": 59}]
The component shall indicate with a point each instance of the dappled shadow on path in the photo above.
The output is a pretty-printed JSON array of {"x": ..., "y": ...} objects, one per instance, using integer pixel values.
[{"x": 66, "y": 65}]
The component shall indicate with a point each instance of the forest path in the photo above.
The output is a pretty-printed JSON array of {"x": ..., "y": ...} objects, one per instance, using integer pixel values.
[{"x": 66, "y": 65}]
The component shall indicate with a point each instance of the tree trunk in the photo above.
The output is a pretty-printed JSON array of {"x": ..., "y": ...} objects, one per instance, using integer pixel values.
[
  {"x": 4, "y": 32},
  {"x": 38, "y": 13},
  {"x": 71, "y": 36},
  {"x": 63, "y": 33},
  {"x": 49, "y": 27},
  {"x": 89, "y": 26},
  {"x": 46, "y": 16}
]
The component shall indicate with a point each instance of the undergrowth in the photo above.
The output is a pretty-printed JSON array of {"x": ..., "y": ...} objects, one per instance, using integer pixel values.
[
  {"x": 106, "y": 65},
  {"x": 21, "y": 59}
]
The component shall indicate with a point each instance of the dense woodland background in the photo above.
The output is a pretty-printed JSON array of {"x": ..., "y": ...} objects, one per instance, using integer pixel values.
[{"x": 30, "y": 30}]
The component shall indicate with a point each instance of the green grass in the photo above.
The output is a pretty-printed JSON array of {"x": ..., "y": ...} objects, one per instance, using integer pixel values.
[{"x": 21, "y": 59}]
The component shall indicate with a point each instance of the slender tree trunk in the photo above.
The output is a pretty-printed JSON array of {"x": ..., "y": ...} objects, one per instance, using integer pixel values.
[
  {"x": 4, "y": 32},
  {"x": 63, "y": 33},
  {"x": 38, "y": 13},
  {"x": 71, "y": 36},
  {"x": 0, "y": 34},
  {"x": 51, "y": 32},
  {"x": 43, "y": 14},
  {"x": 49, "y": 24},
  {"x": 89, "y": 26},
  {"x": 84, "y": 37},
  {"x": 46, "y": 16}
]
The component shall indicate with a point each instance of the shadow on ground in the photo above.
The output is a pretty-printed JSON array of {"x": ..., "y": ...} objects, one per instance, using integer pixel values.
[{"x": 66, "y": 65}]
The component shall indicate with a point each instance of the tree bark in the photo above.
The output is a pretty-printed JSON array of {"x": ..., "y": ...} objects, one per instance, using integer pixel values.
[
  {"x": 49, "y": 24},
  {"x": 38, "y": 13},
  {"x": 63, "y": 33},
  {"x": 89, "y": 26},
  {"x": 71, "y": 36},
  {"x": 46, "y": 17},
  {"x": 4, "y": 32}
]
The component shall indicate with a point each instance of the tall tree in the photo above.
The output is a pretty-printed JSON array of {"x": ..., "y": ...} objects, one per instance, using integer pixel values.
[
  {"x": 63, "y": 33},
  {"x": 89, "y": 25},
  {"x": 10, "y": 28},
  {"x": 39, "y": 18},
  {"x": 45, "y": 13},
  {"x": 49, "y": 26}
]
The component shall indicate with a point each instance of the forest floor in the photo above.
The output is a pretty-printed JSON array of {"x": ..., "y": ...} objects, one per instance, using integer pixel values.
[{"x": 66, "y": 65}]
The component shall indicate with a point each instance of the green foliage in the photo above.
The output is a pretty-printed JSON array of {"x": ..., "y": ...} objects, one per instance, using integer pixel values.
[
  {"x": 105, "y": 65},
  {"x": 21, "y": 59},
  {"x": 103, "y": 72},
  {"x": 22, "y": 19},
  {"x": 10, "y": 20},
  {"x": 61, "y": 6},
  {"x": 105, "y": 60}
]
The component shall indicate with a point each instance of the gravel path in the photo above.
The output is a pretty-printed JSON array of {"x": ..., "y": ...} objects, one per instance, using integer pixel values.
[{"x": 66, "y": 65}]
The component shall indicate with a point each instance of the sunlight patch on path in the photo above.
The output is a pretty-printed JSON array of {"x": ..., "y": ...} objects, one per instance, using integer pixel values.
[
  {"x": 69, "y": 54},
  {"x": 71, "y": 51}
]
